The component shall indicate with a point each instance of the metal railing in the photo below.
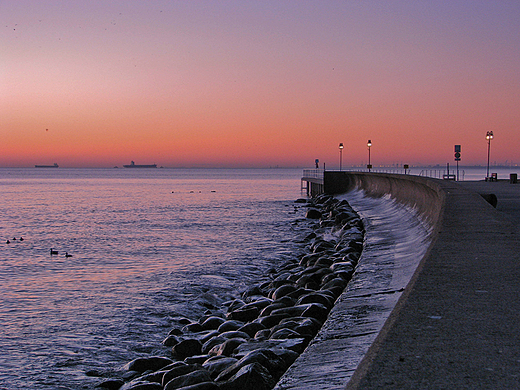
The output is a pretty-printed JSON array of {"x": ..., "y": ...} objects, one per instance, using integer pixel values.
[{"x": 312, "y": 174}]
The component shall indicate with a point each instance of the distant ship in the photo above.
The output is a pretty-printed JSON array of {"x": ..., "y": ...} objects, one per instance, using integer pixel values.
[
  {"x": 47, "y": 166},
  {"x": 134, "y": 165}
]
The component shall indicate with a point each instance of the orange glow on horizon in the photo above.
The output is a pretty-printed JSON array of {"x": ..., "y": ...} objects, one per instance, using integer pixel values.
[{"x": 249, "y": 85}]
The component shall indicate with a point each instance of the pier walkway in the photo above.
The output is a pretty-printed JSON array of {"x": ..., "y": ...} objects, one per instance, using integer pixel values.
[{"x": 457, "y": 326}]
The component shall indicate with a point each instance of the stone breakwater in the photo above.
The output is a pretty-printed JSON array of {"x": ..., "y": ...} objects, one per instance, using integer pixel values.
[{"x": 251, "y": 341}]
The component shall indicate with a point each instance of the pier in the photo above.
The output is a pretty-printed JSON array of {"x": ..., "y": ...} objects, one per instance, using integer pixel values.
[{"x": 455, "y": 324}]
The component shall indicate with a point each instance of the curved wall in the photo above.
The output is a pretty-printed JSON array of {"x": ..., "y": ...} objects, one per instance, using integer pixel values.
[{"x": 422, "y": 194}]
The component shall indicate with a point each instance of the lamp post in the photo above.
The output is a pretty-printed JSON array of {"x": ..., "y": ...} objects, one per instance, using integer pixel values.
[
  {"x": 369, "y": 166},
  {"x": 489, "y": 137},
  {"x": 340, "y": 155}
]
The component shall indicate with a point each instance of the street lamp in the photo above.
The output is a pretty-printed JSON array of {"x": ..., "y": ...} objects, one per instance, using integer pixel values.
[
  {"x": 369, "y": 166},
  {"x": 340, "y": 155},
  {"x": 489, "y": 137}
]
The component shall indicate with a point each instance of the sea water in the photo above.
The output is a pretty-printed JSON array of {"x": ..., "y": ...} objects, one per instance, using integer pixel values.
[{"x": 147, "y": 246}]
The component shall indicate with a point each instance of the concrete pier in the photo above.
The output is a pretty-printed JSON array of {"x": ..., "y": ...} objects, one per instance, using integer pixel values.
[{"x": 455, "y": 324}]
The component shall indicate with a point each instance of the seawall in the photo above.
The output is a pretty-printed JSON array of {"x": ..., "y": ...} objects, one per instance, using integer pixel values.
[{"x": 452, "y": 325}]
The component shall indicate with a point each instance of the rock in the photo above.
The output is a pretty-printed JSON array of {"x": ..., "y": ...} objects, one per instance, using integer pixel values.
[
  {"x": 230, "y": 325},
  {"x": 170, "y": 341},
  {"x": 205, "y": 336},
  {"x": 244, "y": 314},
  {"x": 190, "y": 379},
  {"x": 208, "y": 345},
  {"x": 296, "y": 345},
  {"x": 267, "y": 358},
  {"x": 234, "y": 334},
  {"x": 178, "y": 371},
  {"x": 141, "y": 385},
  {"x": 152, "y": 363},
  {"x": 252, "y": 377},
  {"x": 197, "y": 359},
  {"x": 201, "y": 386},
  {"x": 251, "y": 328},
  {"x": 342, "y": 266},
  {"x": 227, "y": 347},
  {"x": 283, "y": 291},
  {"x": 272, "y": 319},
  {"x": 262, "y": 334},
  {"x": 212, "y": 323},
  {"x": 313, "y": 214},
  {"x": 193, "y": 328},
  {"x": 188, "y": 347},
  {"x": 216, "y": 364},
  {"x": 111, "y": 384},
  {"x": 285, "y": 333}
]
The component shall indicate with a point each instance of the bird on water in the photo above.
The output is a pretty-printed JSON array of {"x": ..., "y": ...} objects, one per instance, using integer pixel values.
[
  {"x": 53, "y": 252},
  {"x": 67, "y": 254}
]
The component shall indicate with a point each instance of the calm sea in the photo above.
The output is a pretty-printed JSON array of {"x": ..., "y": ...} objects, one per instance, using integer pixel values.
[{"x": 147, "y": 245}]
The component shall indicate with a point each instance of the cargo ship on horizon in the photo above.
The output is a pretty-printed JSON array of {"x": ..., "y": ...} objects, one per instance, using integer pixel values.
[
  {"x": 134, "y": 165},
  {"x": 55, "y": 165}
]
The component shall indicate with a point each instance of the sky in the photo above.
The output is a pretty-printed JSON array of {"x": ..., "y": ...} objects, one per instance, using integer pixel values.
[{"x": 258, "y": 83}]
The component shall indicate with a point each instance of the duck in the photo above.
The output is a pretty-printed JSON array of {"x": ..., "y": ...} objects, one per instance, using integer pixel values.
[
  {"x": 21, "y": 238},
  {"x": 67, "y": 254},
  {"x": 53, "y": 252},
  {"x": 8, "y": 242}
]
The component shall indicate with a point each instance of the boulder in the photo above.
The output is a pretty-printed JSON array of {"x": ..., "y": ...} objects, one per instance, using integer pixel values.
[
  {"x": 313, "y": 214},
  {"x": 190, "y": 379},
  {"x": 186, "y": 348},
  {"x": 230, "y": 325},
  {"x": 141, "y": 385},
  {"x": 251, "y": 377},
  {"x": 212, "y": 322},
  {"x": 217, "y": 364},
  {"x": 152, "y": 363},
  {"x": 178, "y": 371}
]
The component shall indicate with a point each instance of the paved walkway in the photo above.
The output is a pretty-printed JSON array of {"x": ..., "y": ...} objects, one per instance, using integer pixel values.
[{"x": 459, "y": 324}]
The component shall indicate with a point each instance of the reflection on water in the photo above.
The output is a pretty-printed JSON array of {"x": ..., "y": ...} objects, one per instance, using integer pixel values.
[{"x": 146, "y": 246}]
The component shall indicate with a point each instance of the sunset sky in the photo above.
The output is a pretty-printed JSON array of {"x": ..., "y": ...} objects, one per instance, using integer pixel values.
[{"x": 258, "y": 83}]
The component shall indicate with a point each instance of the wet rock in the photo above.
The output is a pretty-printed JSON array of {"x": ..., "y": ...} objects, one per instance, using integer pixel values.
[
  {"x": 283, "y": 291},
  {"x": 208, "y": 345},
  {"x": 180, "y": 370},
  {"x": 262, "y": 334},
  {"x": 234, "y": 334},
  {"x": 217, "y": 364},
  {"x": 296, "y": 345},
  {"x": 152, "y": 363},
  {"x": 205, "y": 336},
  {"x": 110, "y": 384},
  {"x": 251, "y": 328},
  {"x": 317, "y": 297},
  {"x": 227, "y": 347},
  {"x": 212, "y": 322},
  {"x": 190, "y": 379},
  {"x": 170, "y": 341},
  {"x": 285, "y": 333},
  {"x": 230, "y": 325},
  {"x": 141, "y": 385},
  {"x": 272, "y": 319},
  {"x": 313, "y": 214},
  {"x": 193, "y": 328},
  {"x": 244, "y": 314},
  {"x": 186, "y": 348},
  {"x": 251, "y": 377},
  {"x": 267, "y": 358},
  {"x": 197, "y": 359},
  {"x": 201, "y": 386}
]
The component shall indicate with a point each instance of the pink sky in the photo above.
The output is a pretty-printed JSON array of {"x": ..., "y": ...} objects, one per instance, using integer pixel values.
[{"x": 258, "y": 83}]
